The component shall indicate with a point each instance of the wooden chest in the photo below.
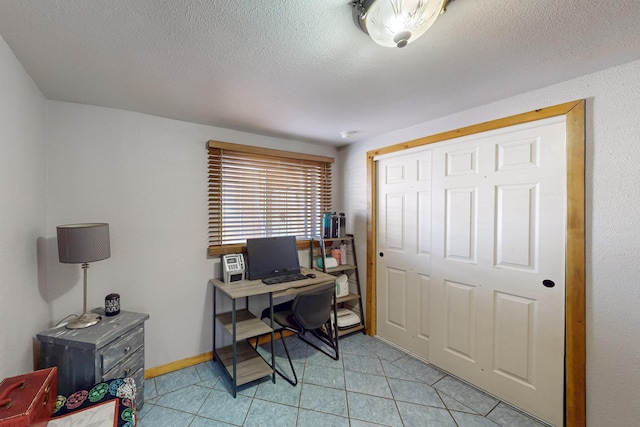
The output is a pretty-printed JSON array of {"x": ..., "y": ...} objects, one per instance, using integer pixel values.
[{"x": 28, "y": 400}]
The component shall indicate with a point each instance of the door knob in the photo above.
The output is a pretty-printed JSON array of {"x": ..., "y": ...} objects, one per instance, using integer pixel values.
[
  {"x": 548, "y": 283},
  {"x": 381, "y": 254}
]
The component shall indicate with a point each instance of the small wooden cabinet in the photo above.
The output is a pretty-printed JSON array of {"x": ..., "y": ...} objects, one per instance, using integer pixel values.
[
  {"x": 321, "y": 249},
  {"x": 113, "y": 348}
]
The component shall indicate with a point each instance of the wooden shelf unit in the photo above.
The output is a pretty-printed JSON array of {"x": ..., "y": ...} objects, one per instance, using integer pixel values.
[{"x": 354, "y": 299}]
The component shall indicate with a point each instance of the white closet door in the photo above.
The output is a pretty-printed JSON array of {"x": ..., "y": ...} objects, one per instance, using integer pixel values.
[
  {"x": 498, "y": 264},
  {"x": 404, "y": 239}
]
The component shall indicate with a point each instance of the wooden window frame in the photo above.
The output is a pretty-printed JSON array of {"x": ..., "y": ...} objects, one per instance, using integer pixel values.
[{"x": 278, "y": 162}]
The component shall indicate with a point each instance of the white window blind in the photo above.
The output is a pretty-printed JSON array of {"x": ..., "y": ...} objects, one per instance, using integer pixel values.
[{"x": 257, "y": 192}]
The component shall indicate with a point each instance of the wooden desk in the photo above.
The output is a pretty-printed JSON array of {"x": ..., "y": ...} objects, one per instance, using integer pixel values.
[{"x": 241, "y": 361}]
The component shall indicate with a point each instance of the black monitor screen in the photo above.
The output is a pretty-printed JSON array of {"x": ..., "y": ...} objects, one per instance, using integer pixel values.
[{"x": 272, "y": 256}]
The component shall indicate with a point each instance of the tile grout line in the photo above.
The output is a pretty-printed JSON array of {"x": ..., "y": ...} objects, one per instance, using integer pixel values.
[{"x": 355, "y": 351}]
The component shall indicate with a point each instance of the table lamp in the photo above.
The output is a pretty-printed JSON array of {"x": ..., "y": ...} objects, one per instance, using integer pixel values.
[{"x": 82, "y": 244}]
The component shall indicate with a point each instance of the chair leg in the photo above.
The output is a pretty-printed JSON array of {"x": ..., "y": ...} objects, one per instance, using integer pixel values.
[
  {"x": 286, "y": 350},
  {"x": 330, "y": 338},
  {"x": 334, "y": 338},
  {"x": 331, "y": 326},
  {"x": 326, "y": 339}
]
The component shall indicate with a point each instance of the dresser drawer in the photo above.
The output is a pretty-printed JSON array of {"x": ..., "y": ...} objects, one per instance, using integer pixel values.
[
  {"x": 127, "y": 367},
  {"x": 121, "y": 348}
]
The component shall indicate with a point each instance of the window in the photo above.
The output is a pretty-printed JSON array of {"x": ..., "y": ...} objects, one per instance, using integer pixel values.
[{"x": 258, "y": 192}]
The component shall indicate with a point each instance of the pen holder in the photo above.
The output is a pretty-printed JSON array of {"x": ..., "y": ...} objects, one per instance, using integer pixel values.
[{"x": 112, "y": 304}]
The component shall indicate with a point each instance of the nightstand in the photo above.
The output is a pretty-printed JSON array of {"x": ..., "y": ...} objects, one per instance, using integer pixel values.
[{"x": 113, "y": 348}]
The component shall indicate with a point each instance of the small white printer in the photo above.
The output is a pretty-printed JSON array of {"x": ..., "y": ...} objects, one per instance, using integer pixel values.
[{"x": 346, "y": 318}]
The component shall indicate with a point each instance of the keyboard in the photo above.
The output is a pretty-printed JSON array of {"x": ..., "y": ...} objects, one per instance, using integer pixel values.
[{"x": 283, "y": 279}]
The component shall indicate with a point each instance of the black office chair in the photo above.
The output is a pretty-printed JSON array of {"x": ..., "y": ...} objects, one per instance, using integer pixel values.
[{"x": 309, "y": 311}]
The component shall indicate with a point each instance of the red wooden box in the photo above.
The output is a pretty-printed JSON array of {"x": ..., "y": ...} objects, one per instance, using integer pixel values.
[{"x": 28, "y": 400}]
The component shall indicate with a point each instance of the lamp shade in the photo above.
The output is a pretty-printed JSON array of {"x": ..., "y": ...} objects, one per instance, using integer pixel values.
[
  {"x": 82, "y": 243},
  {"x": 396, "y": 23}
]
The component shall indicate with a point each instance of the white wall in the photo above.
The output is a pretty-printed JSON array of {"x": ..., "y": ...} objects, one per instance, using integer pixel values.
[
  {"x": 147, "y": 177},
  {"x": 612, "y": 222},
  {"x": 23, "y": 294}
]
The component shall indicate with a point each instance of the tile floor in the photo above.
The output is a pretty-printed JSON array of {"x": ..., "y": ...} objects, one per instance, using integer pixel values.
[{"x": 373, "y": 384}]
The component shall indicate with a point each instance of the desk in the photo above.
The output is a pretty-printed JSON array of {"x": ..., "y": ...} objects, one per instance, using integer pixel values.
[{"x": 242, "y": 363}]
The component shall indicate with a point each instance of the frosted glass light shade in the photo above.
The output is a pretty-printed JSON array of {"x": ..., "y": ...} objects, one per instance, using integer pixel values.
[{"x": 400, "y": 22}]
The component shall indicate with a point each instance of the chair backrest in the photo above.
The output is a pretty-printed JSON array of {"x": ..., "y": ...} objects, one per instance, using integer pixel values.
[{"x": 312, "y": 309}]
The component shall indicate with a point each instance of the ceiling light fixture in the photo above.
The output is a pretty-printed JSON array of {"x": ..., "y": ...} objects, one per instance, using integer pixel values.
[
  {"x": 346, "y": 134},
  {"x": 396, "y": 23}
]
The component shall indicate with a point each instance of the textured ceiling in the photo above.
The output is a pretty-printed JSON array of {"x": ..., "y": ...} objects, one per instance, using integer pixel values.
[{"x": 301, "y": 70}]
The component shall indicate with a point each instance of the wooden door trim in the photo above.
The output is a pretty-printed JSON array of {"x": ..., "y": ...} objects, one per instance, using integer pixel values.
[{"x": 575, "y": 335}]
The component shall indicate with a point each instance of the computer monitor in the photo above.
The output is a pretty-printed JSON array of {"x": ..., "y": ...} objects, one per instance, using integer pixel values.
[{"x": 272, "y": 256}]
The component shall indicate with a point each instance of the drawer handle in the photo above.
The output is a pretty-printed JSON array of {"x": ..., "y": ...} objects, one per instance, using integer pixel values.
[
  {"x": 46, "y": 396},
  {"x": 127, "y": 372},
  {"x": 5, "y": 401},
  {"x": 127, "y": 349}
]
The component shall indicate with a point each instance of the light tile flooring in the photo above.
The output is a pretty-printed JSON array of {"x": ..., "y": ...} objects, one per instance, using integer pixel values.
[{"x": 373, "y": 384}]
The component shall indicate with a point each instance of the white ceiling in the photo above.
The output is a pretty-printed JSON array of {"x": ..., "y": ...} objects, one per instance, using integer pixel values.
[{"x": 302, "y": 70}]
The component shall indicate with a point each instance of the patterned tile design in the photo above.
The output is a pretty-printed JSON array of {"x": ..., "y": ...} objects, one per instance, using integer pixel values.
[{"x": 372, "y": 385}]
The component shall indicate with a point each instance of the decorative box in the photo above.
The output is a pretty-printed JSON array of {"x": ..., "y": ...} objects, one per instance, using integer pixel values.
[{"x": 28, "y": 400}]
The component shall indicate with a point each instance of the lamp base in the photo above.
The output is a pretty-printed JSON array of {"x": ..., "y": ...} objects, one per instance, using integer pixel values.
[{"x": 84, "y": 321}]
